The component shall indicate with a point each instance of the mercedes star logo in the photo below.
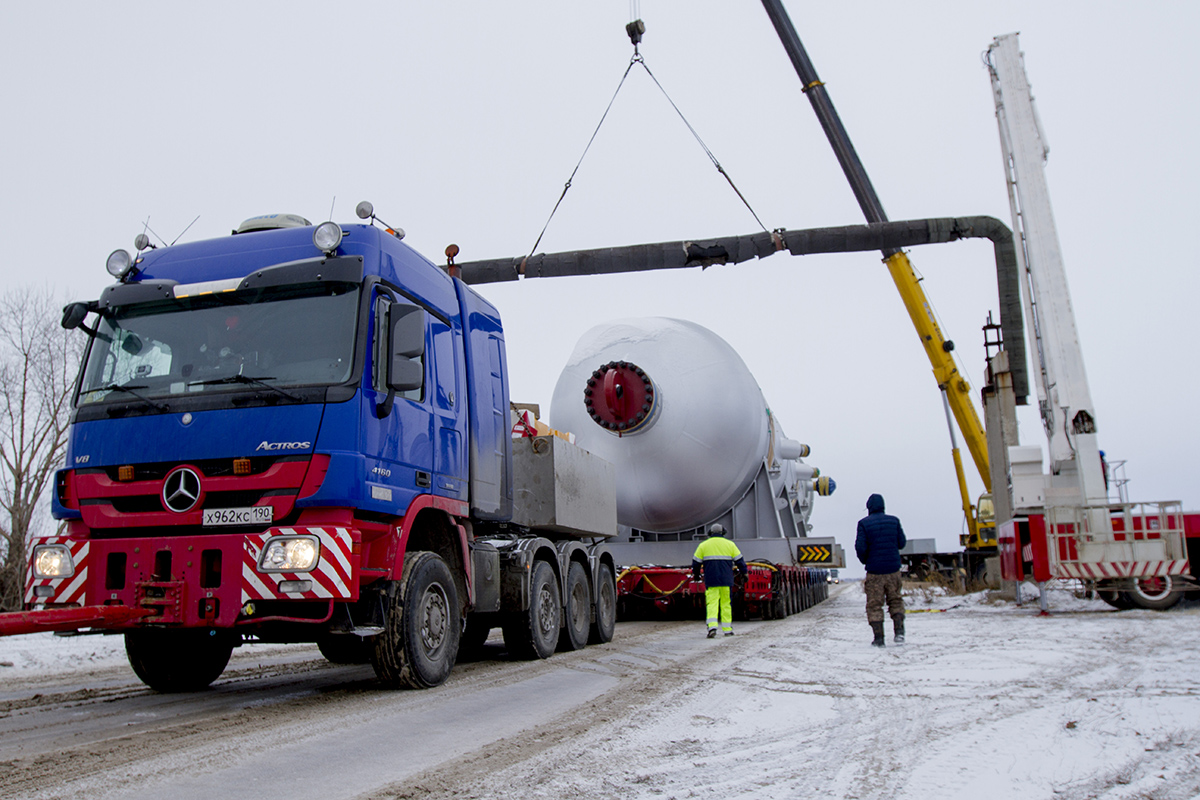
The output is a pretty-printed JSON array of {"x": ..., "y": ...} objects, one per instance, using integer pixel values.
[{"x": 181, "y": 490}]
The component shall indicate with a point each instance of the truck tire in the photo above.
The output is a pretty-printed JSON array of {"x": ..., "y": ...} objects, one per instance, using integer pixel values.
[
  {"x": 419, "y": 642},
  {"x": 345, "y": 648},
  {"x": 1156, "y": 594},
  {"x": 578, "y": 610},
  {"x": 606, "y": 606},
  {"x": 172, "y": 660},
  {"x": 533, "y": 633}
]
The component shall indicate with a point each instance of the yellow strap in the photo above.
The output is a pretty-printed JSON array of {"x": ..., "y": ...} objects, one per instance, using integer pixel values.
[{"x": 813, "y": 85}]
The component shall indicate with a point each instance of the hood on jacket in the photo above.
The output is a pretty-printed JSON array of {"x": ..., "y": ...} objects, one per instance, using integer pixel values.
[{"x": 875, "y": 504}]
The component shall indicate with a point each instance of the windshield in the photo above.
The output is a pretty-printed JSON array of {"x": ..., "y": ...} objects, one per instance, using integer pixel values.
[{"x": 294, "y": 336}]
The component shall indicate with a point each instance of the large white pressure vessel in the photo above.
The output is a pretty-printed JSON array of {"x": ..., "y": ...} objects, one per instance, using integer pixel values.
[{"x": 675, "y": 409}]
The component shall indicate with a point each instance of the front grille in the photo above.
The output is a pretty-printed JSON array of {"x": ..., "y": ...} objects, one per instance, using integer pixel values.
[
  {"x": 209, "y": 467},
  {"x": 144, "y": 504}
]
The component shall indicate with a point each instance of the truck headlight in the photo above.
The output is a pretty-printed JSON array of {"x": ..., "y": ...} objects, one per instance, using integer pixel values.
[
  {"x": 53, "y": 561},
  {"x": 290, "y": 554}
]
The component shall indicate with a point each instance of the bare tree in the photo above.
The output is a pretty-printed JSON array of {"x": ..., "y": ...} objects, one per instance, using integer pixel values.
[{"x": 38, "y": 363}]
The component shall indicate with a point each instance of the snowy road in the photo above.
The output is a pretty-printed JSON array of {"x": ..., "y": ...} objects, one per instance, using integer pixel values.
[{"x": 985, "y": 701}]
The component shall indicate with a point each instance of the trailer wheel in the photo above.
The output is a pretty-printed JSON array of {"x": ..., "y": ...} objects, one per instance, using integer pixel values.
[
  {"x": 420, "y": 635},
  {"x": 778, "y": 603},
  {"x": 574, "y": 634},
  {"x": 1157, "y": 593},
  {"x": 172, "y": 660},
  {"x": 345, "y": 648},
  {"x": 533, "y": 633},
  {"x": 605, "y": 626}
]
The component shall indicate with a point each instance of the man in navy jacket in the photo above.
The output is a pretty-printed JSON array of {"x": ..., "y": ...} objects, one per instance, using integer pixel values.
[{"x": 878, "y": 544}]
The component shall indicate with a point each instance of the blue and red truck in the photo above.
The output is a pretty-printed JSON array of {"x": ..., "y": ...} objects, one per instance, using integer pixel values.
[{"x": 303, "y": 433}]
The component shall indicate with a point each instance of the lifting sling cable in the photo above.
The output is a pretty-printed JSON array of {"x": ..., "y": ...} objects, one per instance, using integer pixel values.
[
  {"x": 567, "y": 186},
  {"x": 711, "y": 157},
  {"x": 635, "y": 30}
]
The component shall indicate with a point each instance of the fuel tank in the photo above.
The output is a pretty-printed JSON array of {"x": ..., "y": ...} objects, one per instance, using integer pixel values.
[{"x": 675, "y": 409}]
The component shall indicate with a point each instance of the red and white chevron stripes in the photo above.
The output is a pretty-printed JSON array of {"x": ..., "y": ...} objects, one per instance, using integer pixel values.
[{"x": 331, "y": 578}]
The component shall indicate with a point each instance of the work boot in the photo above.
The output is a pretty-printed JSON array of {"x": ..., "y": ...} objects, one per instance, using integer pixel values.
[
  {"x": 712, "y": 633},
  {"x": 729, "y": 633},
  {"x": 898, "y": 627},
  {"x": 878, "y": 628}
]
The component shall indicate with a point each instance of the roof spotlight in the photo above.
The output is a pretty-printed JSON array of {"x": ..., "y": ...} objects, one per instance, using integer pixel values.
[
  {"x": 119, "y": 264},
  {"x": 327, "y": 236},
  {"x": 367, "y": 211}
]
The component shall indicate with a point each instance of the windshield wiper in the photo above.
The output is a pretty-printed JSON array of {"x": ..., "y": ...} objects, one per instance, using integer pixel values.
[
  {"x": 247, "y": 379},
  {"x": 116, "y": 387}
]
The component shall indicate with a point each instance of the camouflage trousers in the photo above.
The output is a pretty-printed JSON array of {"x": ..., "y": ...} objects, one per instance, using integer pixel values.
[{"x": 878, "y": 588}]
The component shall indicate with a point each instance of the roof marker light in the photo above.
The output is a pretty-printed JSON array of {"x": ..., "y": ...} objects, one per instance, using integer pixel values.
[{"x": 327, "y": 236}]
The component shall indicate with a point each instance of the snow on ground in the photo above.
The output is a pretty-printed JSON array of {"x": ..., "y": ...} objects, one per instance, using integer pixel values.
[
  {"x": 47, "y": 654},
  {"x": 986, "y": 700}
]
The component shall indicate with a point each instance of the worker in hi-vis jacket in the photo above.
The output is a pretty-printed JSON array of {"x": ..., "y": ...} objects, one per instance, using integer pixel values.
[{"x": 718, "y": 556}]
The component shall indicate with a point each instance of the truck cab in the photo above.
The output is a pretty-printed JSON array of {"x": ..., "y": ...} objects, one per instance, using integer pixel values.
[{"x": 265, "y": 427}]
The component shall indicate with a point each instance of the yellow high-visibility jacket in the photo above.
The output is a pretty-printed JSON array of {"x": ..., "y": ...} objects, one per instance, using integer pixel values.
[{"x": 718, "y": 556}]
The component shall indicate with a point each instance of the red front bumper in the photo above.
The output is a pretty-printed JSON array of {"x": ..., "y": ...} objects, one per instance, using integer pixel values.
[{"x": 194, "y": 580}]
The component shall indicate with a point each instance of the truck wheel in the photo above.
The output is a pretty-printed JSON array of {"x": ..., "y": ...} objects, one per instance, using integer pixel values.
[
  {"x": 578, "y": 616},
  {"x": 178, "y": 659},
  {"x": 345, "y": 648},
  {"x": 606, "y": 606},
  {"x": 1157, "y": 594},
  {"x": 534, "y": 633},
  {"x": 419, "y": 641}
]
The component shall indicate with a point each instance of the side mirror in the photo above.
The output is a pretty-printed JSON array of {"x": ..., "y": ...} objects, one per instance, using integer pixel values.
[
  {"x": 406, "y": 375},
  {"x": 400, "y": 353},
  {"x": 407, "y": 342},
  {"x": 73, "y": 315}
]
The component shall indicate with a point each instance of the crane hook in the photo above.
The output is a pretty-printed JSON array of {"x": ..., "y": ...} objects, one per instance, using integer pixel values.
[{"x": 635, "y": 30}]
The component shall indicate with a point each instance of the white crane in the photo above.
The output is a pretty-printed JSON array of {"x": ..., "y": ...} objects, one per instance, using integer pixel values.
[{"x": 1084, "y": 536}]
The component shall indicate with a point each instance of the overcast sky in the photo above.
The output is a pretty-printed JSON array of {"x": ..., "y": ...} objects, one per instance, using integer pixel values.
[{"x": 461, "y": 121}]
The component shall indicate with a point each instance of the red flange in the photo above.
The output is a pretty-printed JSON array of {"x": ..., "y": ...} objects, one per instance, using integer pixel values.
[{"x": 620, "y": 397}]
